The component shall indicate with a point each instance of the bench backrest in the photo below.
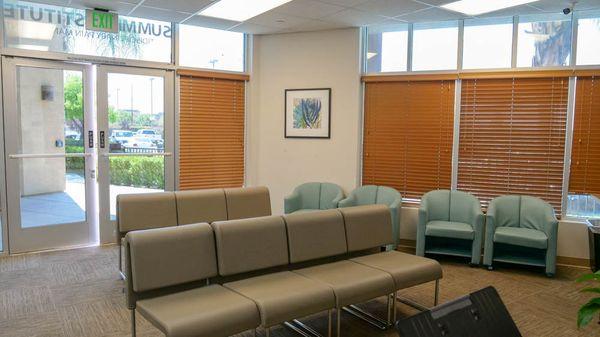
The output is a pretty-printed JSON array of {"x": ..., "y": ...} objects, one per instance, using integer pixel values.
[
  {"x": 367, "y": 227},
  {"x": 145, "y": 211},
  {"x": 247, "y": 245},
  {"x": 315, "y": 235},
  {"x": 167, "y": 257},
  {"x": 248, "y": 202},
  {"x": 201, "y": 206},
  {"x": 165, "y": 209}
]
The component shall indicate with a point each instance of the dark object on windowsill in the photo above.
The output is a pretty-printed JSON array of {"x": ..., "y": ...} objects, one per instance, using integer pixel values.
[
  {"x": 480, "y": 314},
  {"x": 594, "y": 239}
]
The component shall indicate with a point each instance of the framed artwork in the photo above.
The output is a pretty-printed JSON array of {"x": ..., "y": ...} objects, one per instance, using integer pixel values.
[{"x": 308, "y": 113}]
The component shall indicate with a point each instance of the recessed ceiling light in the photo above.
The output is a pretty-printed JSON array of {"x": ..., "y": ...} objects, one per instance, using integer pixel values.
[
  {"x": 240, "y": 10},
  {"x": 476, "y": 7}
]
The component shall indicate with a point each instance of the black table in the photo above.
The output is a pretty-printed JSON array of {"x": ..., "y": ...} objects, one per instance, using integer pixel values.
[{"x": 594, "y": 237}]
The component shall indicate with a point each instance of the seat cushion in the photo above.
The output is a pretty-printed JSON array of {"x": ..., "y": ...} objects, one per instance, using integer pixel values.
[
  {"x": 307, "y": 210},
  {"x": 284, "y": 296},
  {"x": 210, "y": 311},
  {"x": 448, "y": 229},
  {"x": 525, "y": 237},
  {"x": 407, "y": 270},
  {"x": 351, "y": 282}
]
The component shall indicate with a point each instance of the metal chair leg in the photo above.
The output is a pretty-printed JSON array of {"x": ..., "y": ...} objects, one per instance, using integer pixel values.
[
  {"x": 394, "y": 308},
  {"x": 133, "y": 323},
  {"x": 437, "y": 292},
  {"x": 390, "y": 297},
  {"x": 267, "y": 332},
  {"x": 339, "y": 322},
  {"x": 329, "y": 314}
]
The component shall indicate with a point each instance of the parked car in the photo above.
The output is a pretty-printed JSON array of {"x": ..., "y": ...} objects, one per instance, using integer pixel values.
[
  {"x": 139, "y": 142},
  {"x": 149, "y": 133},
  {"x": 152, "y": 135},
  {"x": 120, "y": 136},
  {"x": 70, "y": 134}
]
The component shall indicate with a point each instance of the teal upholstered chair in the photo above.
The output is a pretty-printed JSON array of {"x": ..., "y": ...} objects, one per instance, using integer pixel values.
[
  {"x": 312, "y": 197},
  {"x": 523, "y": 230},
  {"x": 370, "y": 195},
  {"x": 451, "y": 223}
]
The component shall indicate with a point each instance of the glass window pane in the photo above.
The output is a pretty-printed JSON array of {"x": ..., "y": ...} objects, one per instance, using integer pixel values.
[
  {"x": 583, "y": 206},
  {"x": 136, "y": 125},
  {"x": 52, "y": 189},
  {"x": 201, "y": 47},
  {"x": 487, "y": 43},
  {"x": 588, "y": 41},
  {"x": 43, "y": 27},
  {"x": 544, "y": 41},
  {"x": 435, "y": 46},
  {"x": 388, "y": 50}
]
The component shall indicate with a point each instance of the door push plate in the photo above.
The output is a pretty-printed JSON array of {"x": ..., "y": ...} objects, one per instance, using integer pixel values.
[{"x": 102, "y": 145}]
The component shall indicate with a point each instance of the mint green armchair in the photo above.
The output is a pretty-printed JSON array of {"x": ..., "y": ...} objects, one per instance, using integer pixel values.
[
  {"x": 370, "y": 195},
  {"x": 312, "y": 197},
  {"x": 523, "y": 230},
  {"x": 450, "y": 223}
]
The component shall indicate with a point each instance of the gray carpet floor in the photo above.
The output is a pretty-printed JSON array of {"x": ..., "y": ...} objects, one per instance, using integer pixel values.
[{"x": 77, "y": 293}]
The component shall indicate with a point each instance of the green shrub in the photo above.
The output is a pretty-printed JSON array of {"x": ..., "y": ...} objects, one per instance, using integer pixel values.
[
  {"x": 73, "y": 142},
  {"x": 74, "y": 163},
  {"x": 146, "y": 172}
]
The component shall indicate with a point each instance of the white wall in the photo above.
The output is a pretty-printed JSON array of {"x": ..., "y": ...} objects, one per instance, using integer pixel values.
[
  {"x": 323, "y": 59},
  {"x": 42, "y": 123},
  {"x": 327, "y": 59}
]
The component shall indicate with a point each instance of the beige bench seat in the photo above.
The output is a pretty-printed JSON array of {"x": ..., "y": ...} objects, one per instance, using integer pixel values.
[
  {"x": 407, "y": 270},
  {"x": 351, "y": 282},
  {"x": 212, "y": 311},
  {"x": 284, "y": 296}
]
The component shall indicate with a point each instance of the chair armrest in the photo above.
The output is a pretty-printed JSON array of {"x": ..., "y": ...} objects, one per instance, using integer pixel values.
[
  {"x": 397, "y": 204},
  {"x": 292, "y": 203},
  {"x": 339, "y": 197},
  {"x": 477, "y": 218},
  {"x": 348, "y": 202},
  {"x": 423, "y": 217},
  {"x": 551, "y": 226}
]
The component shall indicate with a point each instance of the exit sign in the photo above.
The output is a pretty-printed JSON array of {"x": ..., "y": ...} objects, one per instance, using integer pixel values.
[{"x": 101, "y": 21}]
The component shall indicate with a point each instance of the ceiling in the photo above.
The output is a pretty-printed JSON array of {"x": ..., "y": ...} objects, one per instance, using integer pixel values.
[{"x": 311, "y": 15}]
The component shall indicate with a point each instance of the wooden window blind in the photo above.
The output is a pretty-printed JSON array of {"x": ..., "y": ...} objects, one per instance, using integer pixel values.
[
  {"x": 512, "y": 137},
  {"x": 211, "y": 132},
  {"x": 408, "y": 130},
  {"x": 585, "y": 155}
]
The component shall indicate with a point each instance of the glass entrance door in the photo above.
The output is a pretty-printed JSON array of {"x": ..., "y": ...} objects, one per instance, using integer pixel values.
[
  {"x": 135, "y": 124},
  {"x": 49, "y": 156}
]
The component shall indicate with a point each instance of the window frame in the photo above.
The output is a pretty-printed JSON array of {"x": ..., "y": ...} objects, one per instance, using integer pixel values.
[
  {"x": 94, "y": 59},
  {"x": 573, "y": 18}
]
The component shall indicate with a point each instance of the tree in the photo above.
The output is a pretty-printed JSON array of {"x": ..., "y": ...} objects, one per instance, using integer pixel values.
[
  {"x": 73, "y": 96},
  {"x": 553, "y": 42}
]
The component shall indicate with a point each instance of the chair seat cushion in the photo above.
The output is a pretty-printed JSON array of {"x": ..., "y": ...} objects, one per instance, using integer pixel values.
[
  {"x": 284, "y": 296},
  {"x": 306, "y": 210},
  {"x": 449, "y": 229},
  {"x": 525, "y": 237},
  {"x": 202, "y": 312},
  {"x": 351, "y": 282},
  {"x": 407, "y": 270}
]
